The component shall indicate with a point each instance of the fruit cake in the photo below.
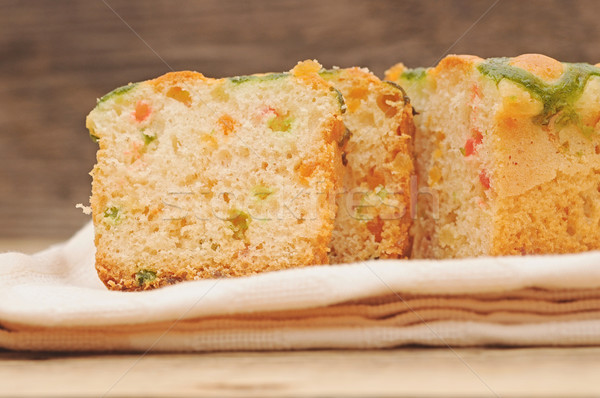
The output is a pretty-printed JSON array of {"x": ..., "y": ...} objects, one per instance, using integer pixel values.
[
  {"x": 207, "y": 178},
  {"x": 508, "y": 156},
  {"x": 373, "y": 217}
]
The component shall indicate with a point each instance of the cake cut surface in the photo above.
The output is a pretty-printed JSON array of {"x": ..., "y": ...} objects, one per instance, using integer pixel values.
[
  {"x": 208, "y": 178},
  {"x": 373, "y": 217},
  {"x": 508, "y": 156}
]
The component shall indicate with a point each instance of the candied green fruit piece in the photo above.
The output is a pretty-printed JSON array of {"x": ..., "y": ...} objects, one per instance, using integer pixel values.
[
  {"x": 340, "y": 99},
  {"x": 113, "y": 213},
  {"x": 148, "y": 138},
  {"x": 281, "y": 123},
  {"x": 325, "y": 73},
  {"x": 239, "y": 223},
  {"x": 94, "y": 138},
  {"x": 145, "y": 276}
]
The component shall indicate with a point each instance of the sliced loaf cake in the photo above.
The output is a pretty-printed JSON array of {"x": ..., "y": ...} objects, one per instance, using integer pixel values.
[
  {"x": 207, "y": 178},
  {"x": 373, "y": 217},
  {"x": 508, "y": 156}
]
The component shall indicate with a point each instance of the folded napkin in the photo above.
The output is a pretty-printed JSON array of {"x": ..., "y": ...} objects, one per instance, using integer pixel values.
[{"x": 53, "y": 300}]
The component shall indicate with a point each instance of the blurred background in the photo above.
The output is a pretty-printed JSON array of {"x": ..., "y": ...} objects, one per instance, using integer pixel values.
[{"x": 57, "y": 57}]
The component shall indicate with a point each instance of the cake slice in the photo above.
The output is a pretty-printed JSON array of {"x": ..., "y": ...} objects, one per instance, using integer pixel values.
[
  {"x": 373, "y": 217},
  {"x": 208, "y": 178},
  {"x": 508, "y": 156}
]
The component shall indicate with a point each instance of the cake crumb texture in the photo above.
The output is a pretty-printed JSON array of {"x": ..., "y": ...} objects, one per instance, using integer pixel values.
[
  {"x": 373, "y": 217},
  {"x": 208, "y": 178}
]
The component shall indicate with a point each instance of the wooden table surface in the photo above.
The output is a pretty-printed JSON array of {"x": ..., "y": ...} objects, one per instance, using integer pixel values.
[{"x": 415, "y": 372}]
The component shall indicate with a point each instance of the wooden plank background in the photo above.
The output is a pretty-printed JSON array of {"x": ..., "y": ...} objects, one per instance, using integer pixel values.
[{"x": 57, "y": 57}]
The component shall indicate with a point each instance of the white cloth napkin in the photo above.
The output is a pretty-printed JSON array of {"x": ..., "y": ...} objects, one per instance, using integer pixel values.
[{"x": 53, "y": 300}]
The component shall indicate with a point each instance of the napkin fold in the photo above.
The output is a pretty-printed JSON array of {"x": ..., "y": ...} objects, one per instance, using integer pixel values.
[{"x": 53, "y": 300}]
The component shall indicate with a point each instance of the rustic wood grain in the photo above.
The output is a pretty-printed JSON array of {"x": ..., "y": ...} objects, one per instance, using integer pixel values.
[
  {"x": 57, "y": 57},
  {"x": 413, "y": 372}
]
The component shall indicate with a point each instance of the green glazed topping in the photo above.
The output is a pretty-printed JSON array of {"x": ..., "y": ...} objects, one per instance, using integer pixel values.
[
  {"x": 414, "y": 74},
  {"x": 145, "y": 276},
  {"x": 257, "y": 78},
  {"x": 117, "y": 91},
  {"x": 556, "y": 97},
  {"x": 239, "y": 223}
]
